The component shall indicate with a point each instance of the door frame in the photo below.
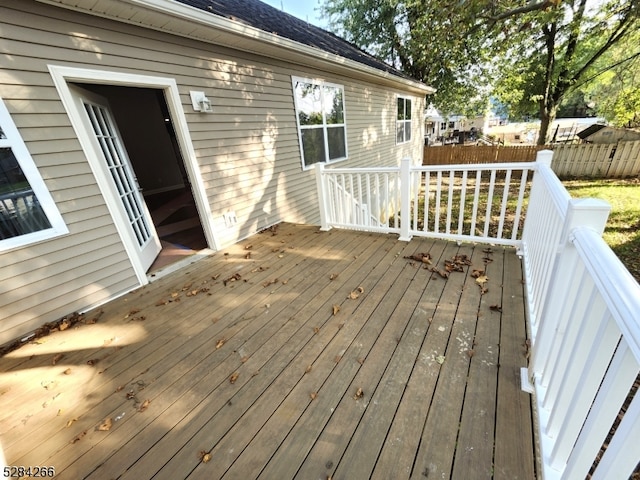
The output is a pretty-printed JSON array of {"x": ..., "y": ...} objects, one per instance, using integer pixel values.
[{"x": 62, "y": 76}]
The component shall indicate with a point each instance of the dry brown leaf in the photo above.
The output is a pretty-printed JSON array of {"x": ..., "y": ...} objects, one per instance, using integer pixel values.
[
  {"x": 78, "y": 437},
  {"x": 71, "y": 422},
  {"x": 353, "y": 295},
  {"x": 205, "y": 456},
  {"x": 234, "y": 377},
  {"x": 105, "y": 426},
  {"x": 220, "y": 343},
  {"x": 496, "y": 308},
  {"x": 482, "y": 279},
  {"x": 248, "y": 247},
  {"x": 477, "y": 273},
  {"x": 333, "y": 276},
  {"x": 244, "y": 359},
  {"x": 92, "y": 361},
  {"x": 67, "y": 371},
  {"x": 308, "y": 369},
  {"x": 313, "y": 395},
  {"x": 471, "y": 353},
  {"x": 359, "y": 393},
  {"x": 336, "y": 309},
  {"x": 144, "y": 405},
  {"x": 56, "y": 358},
  {"x": 316, "y": 329}
]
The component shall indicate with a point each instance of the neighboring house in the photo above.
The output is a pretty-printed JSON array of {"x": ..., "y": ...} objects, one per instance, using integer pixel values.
[
  {"x": 599, "y": 133},
  {"x": 439, "y": 128},
  {"x": 131, "y": 125}
]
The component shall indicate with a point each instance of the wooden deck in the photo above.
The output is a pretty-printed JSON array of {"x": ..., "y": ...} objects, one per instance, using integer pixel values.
[{"x": 294, "y": 354}]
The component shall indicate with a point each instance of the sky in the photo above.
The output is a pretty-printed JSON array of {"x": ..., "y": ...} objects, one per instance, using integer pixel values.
[{"x": 303, "y": 9}]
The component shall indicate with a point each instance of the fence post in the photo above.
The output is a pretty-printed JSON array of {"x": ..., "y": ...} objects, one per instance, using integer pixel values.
[
  {"x": 322, "y": 197},
  {"x": 582, "y": 212},
  {"x": 545, "y": 157},
  {"x": 405, "y": 199}
]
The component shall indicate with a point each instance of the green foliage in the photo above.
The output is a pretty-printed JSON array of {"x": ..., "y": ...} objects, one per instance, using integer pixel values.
[{"x": 531, "y": 54}]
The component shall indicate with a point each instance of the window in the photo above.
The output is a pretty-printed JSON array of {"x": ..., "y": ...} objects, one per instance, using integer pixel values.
[
  {"x": 452, "y": 124},
  {"x": 321, "y": 121},
  {"x": 27, "y": 211},
  {"x": 443, "y": 125},
  {"x": 403, "y": 120}
]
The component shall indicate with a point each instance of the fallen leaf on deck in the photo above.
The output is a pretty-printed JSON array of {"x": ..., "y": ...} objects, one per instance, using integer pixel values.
[
  {"x": 232, "y": 278},
  {"x": 477, "y": 273},
  {"x": 205, "y": 456},
  {"x": 67, "y": 371},
  {"x": 333, "y": 276},
  {"x": 63, "y": 325},
  {"x": 78, "y": 437},
  {"x": 132, "y": 312},
  {"x": 336, "y": 309},
  {"x": 161, "y": 302},
  {"x": 316, "y": 330},
  {"x": 71, "y": 422},
  {"x": 308, "y": 369},
  {"x": 144, "y": 405},
  {"x": 270, "y": 282},
  {"x": 105, "y": 426},
  {"x": 359, "y": 393},
  {"x": 421, "y": 257},
  {"x": 56, "y": 358},
  {"x": 234, "y": 377},
  {"x": 220, "y": 343},
  {"x": 440, "y": 359},
  {"x": 496, "y": 308},
  {"x": 471, "y": 353},
  {"x": 313, "y": 395},
  {"x": 93, "y": 361},
  {"x": 248, "y": 247},
  {"x": 247, "y": 256},
  {"x": 284, "y": 282},
  {"x": 481, "y": 280}
]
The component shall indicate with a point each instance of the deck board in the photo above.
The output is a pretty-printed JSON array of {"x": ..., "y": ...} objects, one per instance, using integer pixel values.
[{"x": 292, "y": 411}]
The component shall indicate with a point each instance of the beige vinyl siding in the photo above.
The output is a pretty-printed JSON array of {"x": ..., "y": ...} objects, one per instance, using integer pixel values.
[{"x": 247, "y": 149}]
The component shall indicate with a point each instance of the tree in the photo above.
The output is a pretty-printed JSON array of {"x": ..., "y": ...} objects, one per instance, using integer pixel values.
[
  {"x": 568, "y": 40},
  {"x": 531, "y": 53}
]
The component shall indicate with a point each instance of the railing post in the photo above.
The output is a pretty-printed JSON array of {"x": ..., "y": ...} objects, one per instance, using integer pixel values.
[
  {"x": 545, "y": 157},
  {"x": 405, "y": 199},
  {"x": 582, "y": 212},
  {"x": 322, "y": 197}
]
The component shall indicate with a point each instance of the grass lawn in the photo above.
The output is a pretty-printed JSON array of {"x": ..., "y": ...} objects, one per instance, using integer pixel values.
[{"x": 622, "y": 232}]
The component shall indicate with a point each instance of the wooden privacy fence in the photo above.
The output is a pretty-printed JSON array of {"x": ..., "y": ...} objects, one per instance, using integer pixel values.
[
  {"x": 474, "y": 154},
  {"x": 619, "y": 160}
]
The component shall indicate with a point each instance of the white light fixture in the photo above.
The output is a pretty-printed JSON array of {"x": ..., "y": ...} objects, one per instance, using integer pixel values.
[{"x": 200, "y": 102}]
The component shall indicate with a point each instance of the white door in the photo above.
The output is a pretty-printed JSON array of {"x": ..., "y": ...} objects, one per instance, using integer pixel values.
[{"x": 143, "y": 240}]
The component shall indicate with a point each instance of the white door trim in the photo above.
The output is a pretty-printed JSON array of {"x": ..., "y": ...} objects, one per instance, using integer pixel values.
[{"x": 62, "y": 75}]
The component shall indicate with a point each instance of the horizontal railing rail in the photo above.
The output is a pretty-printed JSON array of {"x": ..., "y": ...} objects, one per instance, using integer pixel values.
[{"x": 583, "y": 306}]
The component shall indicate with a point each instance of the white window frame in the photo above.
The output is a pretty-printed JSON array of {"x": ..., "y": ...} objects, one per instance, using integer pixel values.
[
  {"x": 406, "y": 123},
  {"x": 15, "y": 142},
  {"x": 324, "y": 126}
]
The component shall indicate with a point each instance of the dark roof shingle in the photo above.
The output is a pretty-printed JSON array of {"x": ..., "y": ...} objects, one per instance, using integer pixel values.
[{"x": 271, "y": 20}]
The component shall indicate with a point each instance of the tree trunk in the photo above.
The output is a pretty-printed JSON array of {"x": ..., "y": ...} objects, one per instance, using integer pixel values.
[{"x": 547, "y": 116}]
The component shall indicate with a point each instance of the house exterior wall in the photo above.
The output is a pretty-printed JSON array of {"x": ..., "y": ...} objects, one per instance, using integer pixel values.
[{"x": 247, "y": 149}]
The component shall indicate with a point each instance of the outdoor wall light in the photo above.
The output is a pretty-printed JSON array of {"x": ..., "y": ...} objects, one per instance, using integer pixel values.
[{"x": 200, "y": 102}]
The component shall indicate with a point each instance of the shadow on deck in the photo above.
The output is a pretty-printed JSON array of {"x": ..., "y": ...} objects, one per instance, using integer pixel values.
[{"x": 294, "y": 354}]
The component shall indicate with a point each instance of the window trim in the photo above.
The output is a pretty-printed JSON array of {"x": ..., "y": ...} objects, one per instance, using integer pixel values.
[
  {"x": 15, "y": 142},
  {"x": 325, "y": 125},
  {"x": 406, "y": 122}
]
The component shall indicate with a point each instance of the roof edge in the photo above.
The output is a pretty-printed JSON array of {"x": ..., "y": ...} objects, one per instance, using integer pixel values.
[{"x": 259, "y": 38}]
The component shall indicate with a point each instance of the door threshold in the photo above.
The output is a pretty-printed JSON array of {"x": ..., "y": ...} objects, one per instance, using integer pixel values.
[{"x": 185, "y": 262}]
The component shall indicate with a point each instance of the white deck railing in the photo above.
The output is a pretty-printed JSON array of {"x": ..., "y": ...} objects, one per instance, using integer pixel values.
[
  {"x": 583, "y": 304},
  {"x": 455, "y": 202}
]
